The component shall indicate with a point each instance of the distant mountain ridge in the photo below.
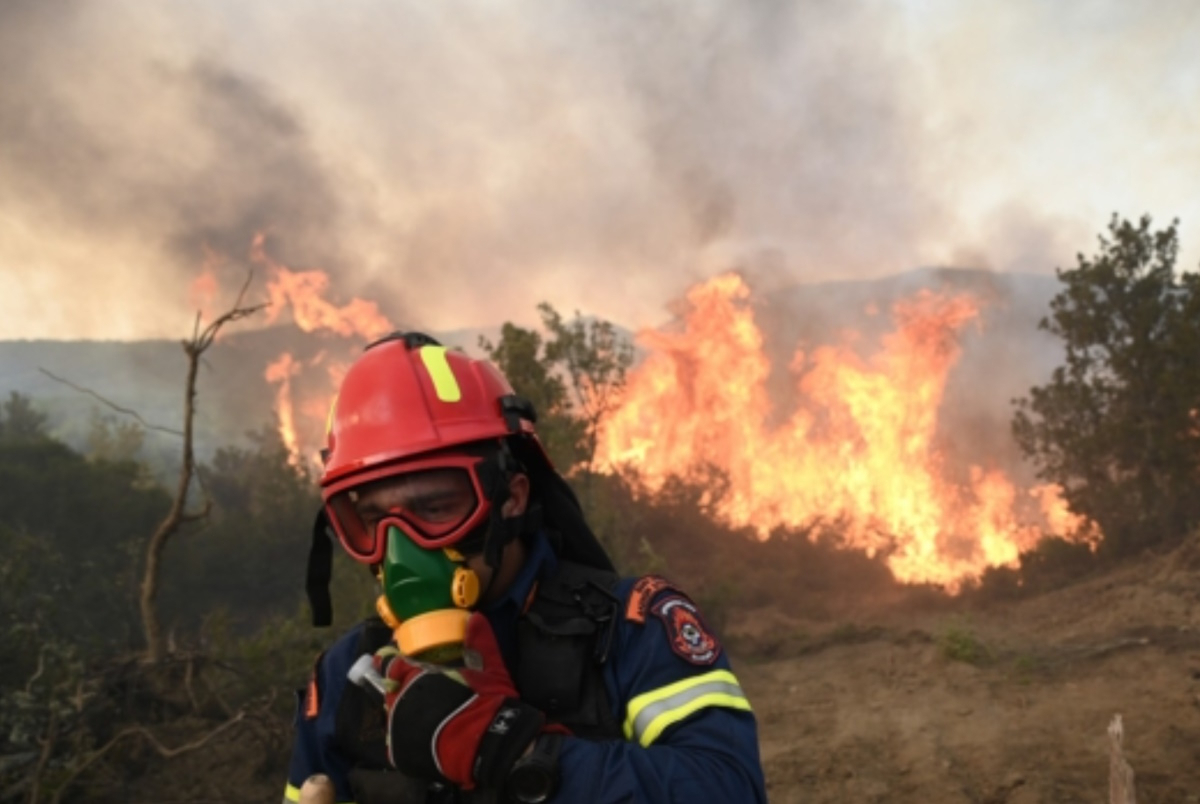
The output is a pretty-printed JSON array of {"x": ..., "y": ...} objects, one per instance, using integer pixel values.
[{"x": 1000, "y": 360}]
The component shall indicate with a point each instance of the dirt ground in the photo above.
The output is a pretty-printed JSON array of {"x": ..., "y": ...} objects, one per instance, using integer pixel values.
[
  {"x": 985, "y": 703},
  {"x": 912, "y": 700}
]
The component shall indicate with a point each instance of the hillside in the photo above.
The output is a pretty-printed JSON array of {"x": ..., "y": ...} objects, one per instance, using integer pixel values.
[
  {"x": 985, "y": 702},
  {"x": 147, "y": 376},
  {"x": 908, "y": 698}
]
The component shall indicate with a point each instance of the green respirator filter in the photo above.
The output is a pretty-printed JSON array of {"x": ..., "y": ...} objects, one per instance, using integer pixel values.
[{"x": 425, "y": 599}]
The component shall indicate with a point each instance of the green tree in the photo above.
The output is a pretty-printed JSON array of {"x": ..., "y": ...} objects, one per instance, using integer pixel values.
[
  {"x": 251, "y": 556},
  {"x": 595, "y": 358},
  {"x": 521, "y": 356},
  {"x": 69, "y": 535},
  {"x": 1118, "y": 426},
  {"x": 20, "y": 421},
  {"x": 111, "y": 439},
  {"x": 574, "y": 379}
]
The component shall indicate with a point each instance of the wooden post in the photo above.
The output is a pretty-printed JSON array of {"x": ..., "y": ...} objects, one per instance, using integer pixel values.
[{"x": 1120, "y": 774}]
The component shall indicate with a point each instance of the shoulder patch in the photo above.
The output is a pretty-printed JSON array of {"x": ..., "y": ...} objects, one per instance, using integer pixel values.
[
  {"x": 690, "y": 638},
  {"x": 644, "y": 590}
]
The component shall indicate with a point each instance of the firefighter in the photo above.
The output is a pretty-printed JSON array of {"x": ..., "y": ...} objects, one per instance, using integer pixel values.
[{"x": 509, "y": 662}]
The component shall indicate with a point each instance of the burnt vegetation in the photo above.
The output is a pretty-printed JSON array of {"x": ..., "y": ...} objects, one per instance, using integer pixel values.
[{"x": 88, "y": 714}]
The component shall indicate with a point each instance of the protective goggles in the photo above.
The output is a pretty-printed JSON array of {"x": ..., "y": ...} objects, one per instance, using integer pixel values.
[{"x": 437, "y": 503}]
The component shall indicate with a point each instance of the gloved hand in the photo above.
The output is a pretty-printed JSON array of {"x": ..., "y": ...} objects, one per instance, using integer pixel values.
[{"x": 465, "y": 725}]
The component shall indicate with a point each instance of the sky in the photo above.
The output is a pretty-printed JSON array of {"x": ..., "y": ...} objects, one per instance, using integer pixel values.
[{"x": 458, "y": 162}]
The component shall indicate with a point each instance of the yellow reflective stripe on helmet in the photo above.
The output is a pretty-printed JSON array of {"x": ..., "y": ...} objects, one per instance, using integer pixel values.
[
  {"x": 444, "y": 383},
  {"x": 649, "y": 714}
]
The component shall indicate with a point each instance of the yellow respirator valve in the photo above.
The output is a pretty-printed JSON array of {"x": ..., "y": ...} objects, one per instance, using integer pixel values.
[
  {"x": 464, "y": 588},
  {"x": 384, "y": 609}
]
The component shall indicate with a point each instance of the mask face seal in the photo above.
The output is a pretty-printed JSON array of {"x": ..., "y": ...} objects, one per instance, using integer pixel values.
[{"x": 426, "y": 597}]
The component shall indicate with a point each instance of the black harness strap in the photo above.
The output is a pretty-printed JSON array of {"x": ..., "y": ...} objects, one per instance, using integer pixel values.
[{"x": 563, "y": 643}]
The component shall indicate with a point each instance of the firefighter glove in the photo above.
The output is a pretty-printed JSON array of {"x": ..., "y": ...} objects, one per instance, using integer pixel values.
[{"x": 463, "y": 725}]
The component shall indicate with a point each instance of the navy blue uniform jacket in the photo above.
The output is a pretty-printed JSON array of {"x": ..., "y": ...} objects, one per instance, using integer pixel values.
[{"x": 690, "y": 734}]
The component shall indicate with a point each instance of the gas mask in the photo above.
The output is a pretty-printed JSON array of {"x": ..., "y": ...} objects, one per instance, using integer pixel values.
[
  {"x": 426, "y": 597},
  {"x": 416, "y": 528}
]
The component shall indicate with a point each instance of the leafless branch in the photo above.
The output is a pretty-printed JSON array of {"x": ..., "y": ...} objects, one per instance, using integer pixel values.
[
  {"x": 194, "y": 348},
  {"x": 203, "y": 513},
  {"x": 163, "y": 751},
  {"x": 187, "y": 683},
  {"x": 109, "y": 403},
  {"x": 51, "y": 737},
  {"x": 217, "y": 696},
  {"x": 80, "y": 698},
  {"x": 200, "y": 343},
  {"x": 37, "y": 673}
]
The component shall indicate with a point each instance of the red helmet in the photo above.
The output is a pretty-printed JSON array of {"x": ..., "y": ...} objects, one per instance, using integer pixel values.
[{"x": 410, "y": 405}]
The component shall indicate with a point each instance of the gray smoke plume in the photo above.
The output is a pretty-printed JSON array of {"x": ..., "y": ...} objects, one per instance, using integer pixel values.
[
  {"x": 128, "y": 165},
  {"x": 460, "y": 161}
]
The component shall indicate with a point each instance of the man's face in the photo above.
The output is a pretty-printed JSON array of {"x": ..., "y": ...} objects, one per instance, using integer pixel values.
[{"x": 443, "y": 498}]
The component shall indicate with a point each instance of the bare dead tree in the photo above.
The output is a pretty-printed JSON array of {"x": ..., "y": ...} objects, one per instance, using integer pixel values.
[
  {"x": 47, "y": 751},
  {"x": 178, "y": 514}
]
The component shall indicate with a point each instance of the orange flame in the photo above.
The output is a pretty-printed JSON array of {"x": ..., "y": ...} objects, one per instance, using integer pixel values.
[
  {"x": 281, "y": 371},
  {"x": 857, "y": 459},
  {"x": 202, "y": 292},
  {"x": 304, "y": 292},
  {"x": 1060, "y": 520}
]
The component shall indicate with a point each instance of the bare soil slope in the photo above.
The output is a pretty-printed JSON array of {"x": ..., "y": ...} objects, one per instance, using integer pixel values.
[
  {"x": 997, "y": 702},
  {"x": 912, "y": 698}
]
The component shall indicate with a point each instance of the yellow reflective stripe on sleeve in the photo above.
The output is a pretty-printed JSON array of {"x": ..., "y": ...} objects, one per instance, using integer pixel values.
[
  {"x": 649, "y": 714},
  {"x": 291, "y": 795},
  {"x": 444, "y": 383}
]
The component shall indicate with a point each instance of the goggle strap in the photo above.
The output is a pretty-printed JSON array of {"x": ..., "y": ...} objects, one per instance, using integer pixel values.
[{"x": 320, "y": 571}]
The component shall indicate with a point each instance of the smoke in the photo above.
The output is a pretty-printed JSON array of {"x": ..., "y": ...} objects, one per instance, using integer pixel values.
[
  {"x": 460, "y": 161},
  {"x": 124, "y": 166}
]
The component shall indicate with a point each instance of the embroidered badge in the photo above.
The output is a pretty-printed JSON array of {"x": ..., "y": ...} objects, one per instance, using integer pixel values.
[
  {"x": 690, "y": 638},
  {"x": 642, "y": 593}
]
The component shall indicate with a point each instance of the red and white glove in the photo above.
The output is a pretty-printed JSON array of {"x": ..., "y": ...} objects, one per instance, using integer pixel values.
[{"x": 467, "y": 725}]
